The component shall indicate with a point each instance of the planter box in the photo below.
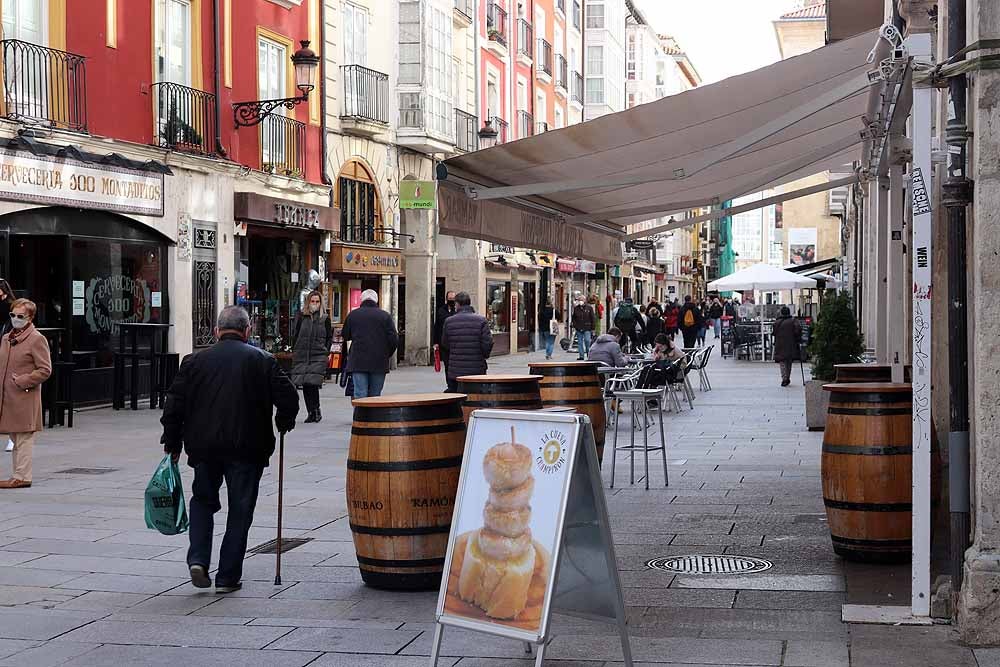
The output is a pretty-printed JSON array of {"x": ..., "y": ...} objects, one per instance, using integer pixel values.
[{"x": 817, "y": 401}]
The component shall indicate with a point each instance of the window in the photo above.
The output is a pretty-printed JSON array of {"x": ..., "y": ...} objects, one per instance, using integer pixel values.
[
  {"x": 595, "y": 90},
  {"x": 360, "y": 208},
  {"x": 272, "y": 71},
  {"x": 498, "y": 306},
  {"x": 440, "y": 99},
  {"x": 539, "y": 23},
  {"x": 595, "y": 61},
  {"x": 355, "y": 35},
  {"x": 24, "y": 20},
  {"x": 173, "y": 41},
  {"x": 541, "y": 111},
  {"x": 631, "y": 100},
  {"x": 559, "y": 118},
  {"x": 595, "y": 15},
  {"x": 557, "y": 36},
  {"x": 630, "y": 64},
  {"x": 492, "y": 96},
  {"x": 522, "y": 95}
]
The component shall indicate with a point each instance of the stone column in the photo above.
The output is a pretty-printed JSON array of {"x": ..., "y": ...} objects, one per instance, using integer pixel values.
[
  {"x": 979, "y": 601},
  {"x": 420, "y": 279}
]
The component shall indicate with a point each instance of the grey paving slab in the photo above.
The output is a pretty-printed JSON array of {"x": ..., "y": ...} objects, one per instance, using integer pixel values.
[
  {"x": 165, "y": 656},
  {"x": 674, "y": 597},
  {"x": 817, "y": 654},
  {"x": 110, "y": 565},
  {"x": 77, "y": 548},
  {"x": 40, "y": 624},
  {"x": 828, "y": 601},
  {"x": 987, "y": 657},
  {"x": 61, "y": 533},
  {"x": 174, "y": 604},
  {"x": 685, "y": 650},
  {"x": 367, "y": 623},
  {"x": 103, "y": 601},
  {"x": 355, "y": 660},
  {"x": 814, "y": 582},
  {"x": 749, "y": 624},
  {"x": 122, "y": 583},
  {"x": 253, "y": 608},
  {"x": 48, "y": 654},
  {"x": 934, "y": 646},
  {"x": 27, "y": 576},
  {"x": 9, "y": 647},
  {"x": 345, "y": 640},
  {"x": 176, "y": 634}
]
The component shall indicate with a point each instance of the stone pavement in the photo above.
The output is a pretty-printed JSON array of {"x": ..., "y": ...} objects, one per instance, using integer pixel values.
[{"x": 86, "y": 583}]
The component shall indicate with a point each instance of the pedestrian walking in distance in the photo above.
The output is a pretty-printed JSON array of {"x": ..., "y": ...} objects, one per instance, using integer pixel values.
[
  {"x": 690, "y": 321},
  {"x": 446, "y": 310},
  {"x": 373, "y": 342},
  {"x": 466, "y": 341},
  {"x": 547, "y": 315},
  {"x": 787, "y": 334},
  {"x": 25, "y": 364},
  {"x": 312, "y": 338},
  {"x": 627, "y": 320},
  {"x": 584, "y": 321},
  {"x": 715, "y": 313},
  {"x": 218, "y": 410}
]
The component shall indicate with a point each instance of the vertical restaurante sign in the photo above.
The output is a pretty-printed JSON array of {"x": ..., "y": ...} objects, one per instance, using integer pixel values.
[{"x": 45, "y": 179}]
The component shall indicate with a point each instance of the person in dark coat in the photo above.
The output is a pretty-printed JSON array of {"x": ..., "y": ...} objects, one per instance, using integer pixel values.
[
  {"x": 311, "y": 352},
  {"x": 715, "y": 313},
  {"x": 787, "y": 333},
  {"x": 654, "y": 325},
  {"x": 466, "y": 341},
  {"x": 545, "y": 317},
  {"x": 374, "y": 341},
  {"x": 6, "y": 300},
  {"x": 584, "y": 322},
  {"x": 218, "y": 410},
  {"x": 690, "y": 320},
  {"x": 444, "y": 311}
]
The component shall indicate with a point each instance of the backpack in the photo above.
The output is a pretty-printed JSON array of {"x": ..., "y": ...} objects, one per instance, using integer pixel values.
[
  {"x": 689, "y": 319},
  {"x": 625, "y": 317}
]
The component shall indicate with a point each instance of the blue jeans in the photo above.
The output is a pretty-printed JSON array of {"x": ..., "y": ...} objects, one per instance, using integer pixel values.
[
  {"x": 368, "y": 384},
  {"x": 718, "y": 327},
  {"x": 242, "y": 484},
  {"x": 550, "y": 342},
  {"x": 583, "y": 343}
]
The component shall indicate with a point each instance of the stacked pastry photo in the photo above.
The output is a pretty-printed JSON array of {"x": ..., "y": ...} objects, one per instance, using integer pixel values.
[{"x": 499, "y": 558}]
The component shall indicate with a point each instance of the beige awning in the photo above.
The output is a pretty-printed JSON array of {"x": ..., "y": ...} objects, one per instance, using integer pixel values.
[{"x": 745, "y": 134}]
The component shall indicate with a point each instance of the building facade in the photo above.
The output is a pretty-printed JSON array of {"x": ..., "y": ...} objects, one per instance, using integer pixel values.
[{"x": 604, "y": 58}]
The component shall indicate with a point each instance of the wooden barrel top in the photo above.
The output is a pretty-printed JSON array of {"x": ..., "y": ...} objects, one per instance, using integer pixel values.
[
  {"x": 863, "y": 366},
  {"x": 499, "y": 378},
  {"x": 561, "y": 364},
  {"x": 870, "y": 387},
  {"x": 406, "y": 400}
]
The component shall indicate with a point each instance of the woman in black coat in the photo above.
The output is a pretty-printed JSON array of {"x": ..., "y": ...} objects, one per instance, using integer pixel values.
[
  {"x": 654, "y": 325},
  {"x": 6, "y": 299},
  {"x": 311, "y": 352}
]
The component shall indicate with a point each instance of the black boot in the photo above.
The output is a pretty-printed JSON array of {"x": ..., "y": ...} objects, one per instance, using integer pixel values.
[
  {"x": 311, "y": 418},
  {"x": 317, "y": 416}
]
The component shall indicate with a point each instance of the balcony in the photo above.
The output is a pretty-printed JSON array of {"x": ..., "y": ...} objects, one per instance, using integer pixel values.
[
  {"x": 562, "y": 75},
  {"x": 366, "y": 101},
  {"x": 420, "y": 128},
  {"x": 464, "y": 11},
  {"x": 496, "y": 30},
  {"x": 577, "y": 14},
  {"x": 524, "y": 41},
  {"x": 502, "y": 128},
  {"x": 185, "y": 118},
  {"x": 541, "y": 127},
  {"x": 466, "y": 131},
  {"x": 283, "y": 146},
  {"x": 525, "y": 125},
  {"x": 43, "y": 86},
  {"x": 543, "y": 58},
  {"x": 577, "y": 92}
]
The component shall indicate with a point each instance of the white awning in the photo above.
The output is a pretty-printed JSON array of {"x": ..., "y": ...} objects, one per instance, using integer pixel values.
[
  {"x": 745, "y": 134},
  {"x": 762, "y": 277}
]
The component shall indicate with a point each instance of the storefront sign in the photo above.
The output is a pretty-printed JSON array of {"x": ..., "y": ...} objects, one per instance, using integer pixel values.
[
  {"x": 254, "y": 208},
  {"x": 116, "y": 299},
  {"x": 503, "y": 223},
  {"x": 586, "y": 266},
  {"x": 416, "y": 194},
  {"x": 566, "y": 265},
  {"x": 364, "y": 259},
  {"x": 43, "y": 179}
]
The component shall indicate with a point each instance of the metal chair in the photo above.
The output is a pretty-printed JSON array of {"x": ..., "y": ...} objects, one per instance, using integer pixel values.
[
  {"x": 643, "y": 397},
  {"x": 700, "y": 365}
]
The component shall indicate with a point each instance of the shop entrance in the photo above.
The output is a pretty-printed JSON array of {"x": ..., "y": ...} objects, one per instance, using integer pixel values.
[
  {"x": 38, "y": 272},
  {"x": 526, "y": 316}
]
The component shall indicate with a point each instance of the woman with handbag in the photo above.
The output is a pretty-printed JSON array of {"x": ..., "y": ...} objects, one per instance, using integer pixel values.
[
  {"x": 548, "y": 326},
  {"x": 311, "y": 352}
]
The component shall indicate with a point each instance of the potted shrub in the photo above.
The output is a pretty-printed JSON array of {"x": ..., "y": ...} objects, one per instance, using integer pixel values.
[{"x": 835, "y": 340}]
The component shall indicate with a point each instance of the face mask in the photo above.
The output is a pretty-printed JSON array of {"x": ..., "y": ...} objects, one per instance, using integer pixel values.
[
  {"x": 314, "y": 307},
  {"x": 18, "y": 323},
  {"x": 451, "y": 304}
]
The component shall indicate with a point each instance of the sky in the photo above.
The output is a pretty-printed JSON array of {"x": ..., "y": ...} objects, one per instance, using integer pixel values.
[{"x": 722, "y": 38}]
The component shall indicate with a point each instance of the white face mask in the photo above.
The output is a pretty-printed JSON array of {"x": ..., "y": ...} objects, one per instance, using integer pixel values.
[
  {"x": 314, "y": 307},
  {"x": 19, "y": 324}
]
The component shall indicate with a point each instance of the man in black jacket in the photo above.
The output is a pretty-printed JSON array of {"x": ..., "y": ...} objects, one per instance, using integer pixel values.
[
  {"x": 690, "y": 320},
  {"x": 373, "y": 342},
  {"x": 584, "y": 322},
  {"x": 218, "y": 409},
  {"x": 466, "y": 341}
]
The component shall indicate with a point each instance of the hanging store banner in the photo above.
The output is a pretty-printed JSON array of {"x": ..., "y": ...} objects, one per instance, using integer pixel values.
[
  {"x": 503, "y": 223},
  {"x": 42, "y": 179},
  {"x": 586, "y": 266},
  {"x": 365, "y": 259},
  {"x": 417, "y": 194},
  {"x": 565, "y": 265},
  {"x": 801, "y": 245}
]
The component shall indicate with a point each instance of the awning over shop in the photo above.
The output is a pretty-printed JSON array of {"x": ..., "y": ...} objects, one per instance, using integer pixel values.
[{"x": 745, "y": 134}]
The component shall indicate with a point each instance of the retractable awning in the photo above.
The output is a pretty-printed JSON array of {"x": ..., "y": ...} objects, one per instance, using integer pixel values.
[{"x": 745, "y": 134}]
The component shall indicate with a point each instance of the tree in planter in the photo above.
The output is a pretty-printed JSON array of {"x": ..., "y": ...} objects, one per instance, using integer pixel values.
[
  {"x": 178, "y": 132},
  {"x": 835, "y": 338}
]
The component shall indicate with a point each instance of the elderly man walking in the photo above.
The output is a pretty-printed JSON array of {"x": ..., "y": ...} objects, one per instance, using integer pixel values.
[
  {"x": 218, "y": 410},
  {"x": 373, "y": 342},
  {"x": 466, "y": 341}
]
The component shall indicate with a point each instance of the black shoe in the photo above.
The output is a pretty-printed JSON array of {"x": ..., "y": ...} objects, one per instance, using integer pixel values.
[
  {"x": 222, "y": 589},
  {"x": 311, "y": 418},
  {"x": 785, "y": 383},
  {"x": 199, "y": 576},
  {"x": 317, "y": 416}
]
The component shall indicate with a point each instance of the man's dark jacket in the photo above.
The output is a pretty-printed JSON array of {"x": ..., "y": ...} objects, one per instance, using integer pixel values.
[
  {"x": 219, "y": 405},
  {"x": 787, "y": 338},
  {"x": 374, "y": 338},
  {"x": 699, "y": 319},
  {"x": 584, "y": 318},
  {"x": 466, "y": 342},
  {"x": 443, "y": 313}
]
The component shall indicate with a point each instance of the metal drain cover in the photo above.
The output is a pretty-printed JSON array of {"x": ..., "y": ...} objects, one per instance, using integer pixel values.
[
  {"x": 709, "y": 564},
  {"x": 287, "y": 544},
  {"x": 85, "y": 471}
]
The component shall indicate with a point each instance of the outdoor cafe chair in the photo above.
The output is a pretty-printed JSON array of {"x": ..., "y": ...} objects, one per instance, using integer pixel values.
[{"x": 700, "y": 364}]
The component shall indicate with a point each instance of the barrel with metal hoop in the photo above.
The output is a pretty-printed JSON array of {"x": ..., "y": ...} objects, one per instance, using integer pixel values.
[
  {"x": 499, "y": 392},
  {"x": 867, "y": 373},
  {"x": 402, "y": 478},
  {"x": 866, "y": 470},
  {"x": 574, "y": 384}
]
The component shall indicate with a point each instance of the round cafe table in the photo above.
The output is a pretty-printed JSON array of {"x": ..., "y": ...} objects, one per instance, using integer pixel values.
[{"x": 576, "y": 384}]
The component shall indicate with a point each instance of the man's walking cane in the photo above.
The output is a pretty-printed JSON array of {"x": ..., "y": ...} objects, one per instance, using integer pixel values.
[
  {"x": 281, "y": 483},
  {"x": 802, "y": 354}
]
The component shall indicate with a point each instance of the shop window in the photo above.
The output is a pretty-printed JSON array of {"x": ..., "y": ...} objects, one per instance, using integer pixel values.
[
  {"x": 360, "y": 206},
  {"x": 498, "y": 306}
]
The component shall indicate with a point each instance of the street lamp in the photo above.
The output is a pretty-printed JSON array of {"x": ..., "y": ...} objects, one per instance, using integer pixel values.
[
  {"x": 305, "y": 60},
  {"x": 488, "y": 134}
]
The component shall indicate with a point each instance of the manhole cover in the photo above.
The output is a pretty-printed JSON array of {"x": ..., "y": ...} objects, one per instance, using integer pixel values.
[
  {"x": 287, "y": 544},
  {"x": 710, "y": 564},
  {"x": 85, "y": 471}
]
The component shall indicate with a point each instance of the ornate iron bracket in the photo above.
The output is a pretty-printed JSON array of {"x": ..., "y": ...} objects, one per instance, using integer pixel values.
[{"x": 248, "y": 114}]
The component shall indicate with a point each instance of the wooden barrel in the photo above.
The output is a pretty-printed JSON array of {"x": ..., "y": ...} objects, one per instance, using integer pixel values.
[
  {"x": 501, "y": 392},
  {"x": 574, "y": 384},
  {"x": 402, "y": 478},
  {"x": 867, "y": 373},
  {"x": 866, "y": 469}
]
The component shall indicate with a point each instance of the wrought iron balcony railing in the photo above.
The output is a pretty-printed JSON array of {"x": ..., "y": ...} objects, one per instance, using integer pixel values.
[
  {"x": 466, "y": 131},
  {"x": 525, "y": 125},
  {"x": 366, "y": 94},
  {"x": 562, "y": 72},
  {"x": 524, "y": 38},
  {"x": 501, "y": 127},
  {"x": 185, "y": 118},
  {"x": 43, "y": 86},
  {"x": 283, "y": 146},
  {"x": 541, "y": 126},
  {"x": 466, "y": 7},
  {"x": 544, "y": 56},
  {"x": 577, "y": 92},
  {"x": 496, "y": 24}
]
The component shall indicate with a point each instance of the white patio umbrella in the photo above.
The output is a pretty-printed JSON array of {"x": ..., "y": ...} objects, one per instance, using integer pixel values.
[{"x": 762, "y": 278}]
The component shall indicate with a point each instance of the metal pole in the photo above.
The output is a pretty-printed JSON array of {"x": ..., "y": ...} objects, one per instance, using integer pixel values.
[
  {"x": 281, "y": 484},
  {"x": 956, "y": 196}
]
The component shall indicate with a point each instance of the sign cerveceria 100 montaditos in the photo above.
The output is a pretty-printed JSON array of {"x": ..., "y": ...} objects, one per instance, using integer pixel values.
[{"x": 530, "y": 532}]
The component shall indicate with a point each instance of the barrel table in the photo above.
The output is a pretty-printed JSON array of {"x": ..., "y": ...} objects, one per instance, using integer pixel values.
[
  {"x": 866, "y": 470},
  {"x": 867, "y": 373},
  {"x": 501, "y": 392},
  {"x": 402, "y": 477},
  {"x": 574, "y": 384}
]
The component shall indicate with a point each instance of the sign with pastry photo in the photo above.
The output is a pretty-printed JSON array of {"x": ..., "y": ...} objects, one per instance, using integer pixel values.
[{"x": 507, "y": 521}]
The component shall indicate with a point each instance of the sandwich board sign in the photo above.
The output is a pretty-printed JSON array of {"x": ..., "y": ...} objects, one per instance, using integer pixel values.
[{"x": 530, "y": 533}]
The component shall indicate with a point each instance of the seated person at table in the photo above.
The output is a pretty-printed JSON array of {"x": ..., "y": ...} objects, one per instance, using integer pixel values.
[
  {"x": 664, "y": 349},
  {"x": 607, "y": 350}
]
